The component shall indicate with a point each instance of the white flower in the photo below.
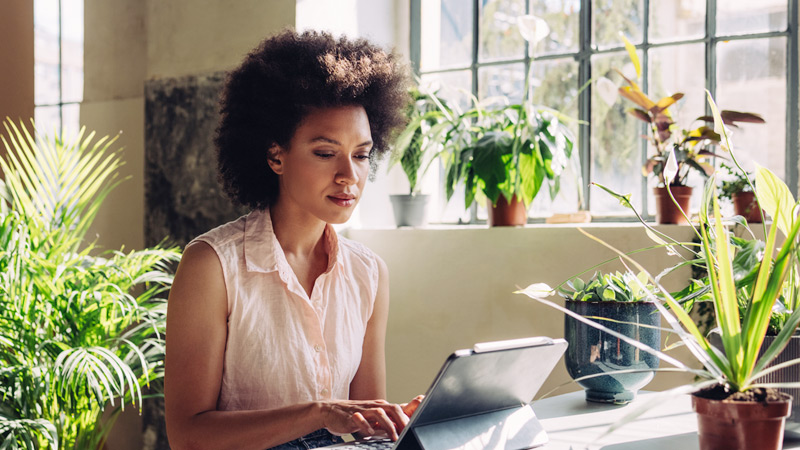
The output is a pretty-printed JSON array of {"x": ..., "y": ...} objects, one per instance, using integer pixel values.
[
  {"x": 671, "y": 167},
  {"x": 607, "y": 90},
  {"x": 533, "y": 28}
]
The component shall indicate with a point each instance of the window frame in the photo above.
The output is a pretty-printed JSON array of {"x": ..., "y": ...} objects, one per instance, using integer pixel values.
[
  {"x": 60, "y": 104},
  {"x": 583, "y": 58}
]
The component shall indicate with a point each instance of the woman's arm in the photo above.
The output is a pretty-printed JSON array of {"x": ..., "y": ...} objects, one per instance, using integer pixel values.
[
  {"x": 370, "y": 379},
  {"x": 196, "y": 334}
]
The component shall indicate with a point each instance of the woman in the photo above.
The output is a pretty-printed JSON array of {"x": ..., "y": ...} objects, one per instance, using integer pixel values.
[{"x": 276, "y": 326}]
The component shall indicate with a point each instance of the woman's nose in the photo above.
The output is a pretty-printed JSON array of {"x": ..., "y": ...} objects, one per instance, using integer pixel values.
[{"x": 346, "y": 173}]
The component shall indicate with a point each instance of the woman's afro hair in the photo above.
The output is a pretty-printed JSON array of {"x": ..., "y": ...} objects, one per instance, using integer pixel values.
[{"x": 266, "y": 98}]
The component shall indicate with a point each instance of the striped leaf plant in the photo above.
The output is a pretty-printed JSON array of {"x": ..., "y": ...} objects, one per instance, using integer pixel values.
[{"x": 742, "y": 312}]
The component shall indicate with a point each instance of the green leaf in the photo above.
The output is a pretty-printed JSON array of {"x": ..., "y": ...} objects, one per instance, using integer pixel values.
[{"x": 771, "y": 191}]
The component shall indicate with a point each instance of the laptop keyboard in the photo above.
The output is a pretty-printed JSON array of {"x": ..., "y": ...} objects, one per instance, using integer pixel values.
[{"x": 378, "y": 444}]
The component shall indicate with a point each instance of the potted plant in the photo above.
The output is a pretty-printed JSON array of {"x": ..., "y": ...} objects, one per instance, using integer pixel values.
[
  {"x": 507, "y": 153},
  {"x": 81, "y": 331},
  {"x": 415, "y": 149},
  {"x": 688, "y": 149},
  {"x": 609, "y": 368},
  {"x": 738, "y": 191},
  {"x": 735, "y": 410}
]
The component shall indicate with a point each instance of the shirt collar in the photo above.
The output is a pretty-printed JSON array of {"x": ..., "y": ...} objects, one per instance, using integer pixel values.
[{"x": 263, "y": 252}]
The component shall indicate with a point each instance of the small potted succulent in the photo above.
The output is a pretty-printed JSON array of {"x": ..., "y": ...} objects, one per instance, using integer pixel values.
[
  {"x": 619, "y": 302},
  {"x": 737, "y": 190},
  {"x": 415, "y": 150},
  {"x": 686, "y": 150}
]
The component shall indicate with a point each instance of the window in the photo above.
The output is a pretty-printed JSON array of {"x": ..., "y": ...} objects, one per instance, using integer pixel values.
[
  {"x": 58, "y": 65},
  {"x": 744, "y": 52}
]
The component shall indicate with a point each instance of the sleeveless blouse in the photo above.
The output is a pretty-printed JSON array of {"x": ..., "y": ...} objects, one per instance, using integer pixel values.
[{"x": 284, "y": 348}]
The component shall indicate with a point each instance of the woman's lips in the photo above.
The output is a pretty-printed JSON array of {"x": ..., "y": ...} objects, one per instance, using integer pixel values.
[{"x": 343, "y": 200}]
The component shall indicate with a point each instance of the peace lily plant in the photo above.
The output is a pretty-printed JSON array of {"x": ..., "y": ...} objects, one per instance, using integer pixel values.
[
  {"x": 512, "y": 151},
  {"x": 742, "y": 317}
]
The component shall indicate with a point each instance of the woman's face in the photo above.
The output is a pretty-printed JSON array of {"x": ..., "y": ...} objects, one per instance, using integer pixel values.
[{"x": 323, "y": 171}]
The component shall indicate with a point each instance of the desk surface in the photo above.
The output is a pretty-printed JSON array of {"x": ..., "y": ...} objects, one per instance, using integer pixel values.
[{"x": 573, "y": 423}]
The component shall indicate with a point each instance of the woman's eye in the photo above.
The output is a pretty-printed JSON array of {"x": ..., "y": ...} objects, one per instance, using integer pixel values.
[
  {"x": 324, "y": 155},
  {"x": 362, "y": 157}
]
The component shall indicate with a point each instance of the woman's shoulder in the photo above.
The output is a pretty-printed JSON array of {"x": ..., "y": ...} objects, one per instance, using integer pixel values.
[
  {"x": 356, "y": 251},
  {"x": 223, "y": 235}
]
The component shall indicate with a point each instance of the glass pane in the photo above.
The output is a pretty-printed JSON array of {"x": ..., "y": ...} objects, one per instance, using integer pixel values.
[
  {"x": 616, "y": 141},
  {"x": 610, "y": 17},
  {"x": 743, "y": 17},
  {"x": 71, "y": 123},
  {"x": 672, "y": 20},
  {"x": 562, "y": 16},
  {"x": 751, "y": 77},
  {"x": 499, "y": 36},
  {"x": 668, "y": 75},
  {"x": 446, "y": 34},
  {"x": 502, "y": 81},
  {"x": 557, "y": 88},
  {"x": 72, "y": 50},
  {"x": 47, "y": 120},
  {"x": 45, "y": 51}
]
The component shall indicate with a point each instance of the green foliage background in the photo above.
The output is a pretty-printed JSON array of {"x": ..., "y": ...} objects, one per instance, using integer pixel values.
[{"x": 80, "y": 330}]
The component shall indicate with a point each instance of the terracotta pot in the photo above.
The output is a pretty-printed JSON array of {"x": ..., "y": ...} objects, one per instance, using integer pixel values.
[
  {"x": 666, "y": 211},
  {"x": 507, "y": 214},
  {"x": 746, "y": 205},
  {"x": 730, "y": 425}
]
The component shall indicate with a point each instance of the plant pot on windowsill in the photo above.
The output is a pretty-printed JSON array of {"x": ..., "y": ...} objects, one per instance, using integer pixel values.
[
  {"x": 746, "y": 205},
  {"x": 667, "y": 212},
  {"x": 410, "y": 209},
  {"x": 507, "y": 214}
]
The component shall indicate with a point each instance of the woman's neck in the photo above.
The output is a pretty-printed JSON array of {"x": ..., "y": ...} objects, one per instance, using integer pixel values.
[{"x": 298, "y": 232}]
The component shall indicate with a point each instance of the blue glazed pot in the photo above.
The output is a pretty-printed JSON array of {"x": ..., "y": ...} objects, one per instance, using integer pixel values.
[{"x": 592, "y": 351}]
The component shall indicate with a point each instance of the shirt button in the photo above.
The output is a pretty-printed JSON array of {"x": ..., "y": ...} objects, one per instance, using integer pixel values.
[
  {"x": 318, "y": 348},
  {"x": 325, "y": 391}
]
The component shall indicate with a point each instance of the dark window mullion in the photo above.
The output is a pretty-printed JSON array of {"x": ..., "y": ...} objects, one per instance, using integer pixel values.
[
  {"x": 646, "y": 88},
  {"x": 60, "y": 70},
  {"x": 792, "y": 113},
  {"x": 584, "y": 58}
]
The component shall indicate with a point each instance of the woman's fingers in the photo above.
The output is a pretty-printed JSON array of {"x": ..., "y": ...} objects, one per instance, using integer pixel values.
[
  {"x": 410, "y": 407},
  {"x": 385, "y": 423},
  {"x": 362, "y": 424}
]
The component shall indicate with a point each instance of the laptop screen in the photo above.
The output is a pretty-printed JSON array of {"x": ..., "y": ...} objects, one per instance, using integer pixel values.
[{"x": 496, "y": 376}]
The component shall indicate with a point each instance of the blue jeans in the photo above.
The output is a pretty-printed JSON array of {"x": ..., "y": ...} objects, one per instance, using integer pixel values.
[{"x": 319, "y": 438}]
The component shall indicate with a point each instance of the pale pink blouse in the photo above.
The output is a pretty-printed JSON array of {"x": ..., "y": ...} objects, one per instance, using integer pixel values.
[{"x": 283, "y": 347}]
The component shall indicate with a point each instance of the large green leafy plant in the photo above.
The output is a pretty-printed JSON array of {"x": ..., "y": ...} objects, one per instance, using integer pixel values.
[
  {"x": 742, "y": 312},
  {"x": 511, "y": 151},
  {"x": 80, "y": 332}
]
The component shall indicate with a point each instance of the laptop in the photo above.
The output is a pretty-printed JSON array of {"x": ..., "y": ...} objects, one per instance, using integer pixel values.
[{"x": 480, "y": 400}]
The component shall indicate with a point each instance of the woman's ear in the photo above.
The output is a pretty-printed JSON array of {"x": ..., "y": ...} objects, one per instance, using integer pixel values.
[{"x": 275, "y": 159}]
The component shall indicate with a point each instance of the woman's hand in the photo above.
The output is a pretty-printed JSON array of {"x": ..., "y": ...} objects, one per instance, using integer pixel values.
[
  {"x": 367, "y": 416},
  {"x": 411, "y": 406}
]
